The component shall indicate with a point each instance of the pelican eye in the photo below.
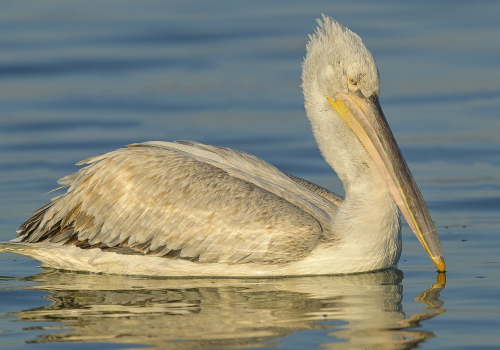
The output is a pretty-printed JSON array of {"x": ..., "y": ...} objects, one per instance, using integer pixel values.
[{"x": 353, "y": 81}]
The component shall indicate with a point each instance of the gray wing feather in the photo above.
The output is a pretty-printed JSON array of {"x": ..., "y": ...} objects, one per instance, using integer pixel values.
[
  {"x": 323, "y": 192},
  {"x": 185, "y": 200}
]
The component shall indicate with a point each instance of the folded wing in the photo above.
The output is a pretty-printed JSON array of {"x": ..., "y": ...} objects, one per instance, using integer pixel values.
[{"x": 186, "y": 200}]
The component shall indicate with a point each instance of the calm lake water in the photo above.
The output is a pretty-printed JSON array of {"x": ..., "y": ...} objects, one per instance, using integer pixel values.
[{"x": 85, "y": 77}]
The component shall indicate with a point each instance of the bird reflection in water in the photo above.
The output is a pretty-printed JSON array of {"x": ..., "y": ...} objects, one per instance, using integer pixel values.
[{"x": 353, "y": 311}]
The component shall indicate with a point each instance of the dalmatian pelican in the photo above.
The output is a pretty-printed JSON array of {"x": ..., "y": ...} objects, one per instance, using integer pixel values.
[{"x": 188, "y": 209}]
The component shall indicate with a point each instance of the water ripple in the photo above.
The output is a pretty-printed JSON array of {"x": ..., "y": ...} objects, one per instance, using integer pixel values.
[
  {"x": 54, "y": 125},
  {"x": 78, "y": 65}
]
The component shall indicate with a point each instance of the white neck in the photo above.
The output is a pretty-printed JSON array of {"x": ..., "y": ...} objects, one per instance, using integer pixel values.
[{"x": 367, "y": 223}]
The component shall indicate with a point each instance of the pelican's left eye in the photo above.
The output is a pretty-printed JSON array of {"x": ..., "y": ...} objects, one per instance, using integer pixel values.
[{"x": 353, "y": 81}]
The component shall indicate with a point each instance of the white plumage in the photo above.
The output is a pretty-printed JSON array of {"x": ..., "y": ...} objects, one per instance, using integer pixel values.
[{"x": 188, "y": 209}]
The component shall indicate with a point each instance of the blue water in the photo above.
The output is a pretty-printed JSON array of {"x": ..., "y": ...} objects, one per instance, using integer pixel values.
[{"x": 85, "y": 77}]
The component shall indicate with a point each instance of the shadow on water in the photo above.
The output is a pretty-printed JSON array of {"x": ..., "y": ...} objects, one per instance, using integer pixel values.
[{"x": 354, "y": 311}]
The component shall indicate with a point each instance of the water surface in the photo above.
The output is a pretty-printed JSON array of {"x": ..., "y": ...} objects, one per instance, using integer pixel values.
[{"x": 83, "y": 78}]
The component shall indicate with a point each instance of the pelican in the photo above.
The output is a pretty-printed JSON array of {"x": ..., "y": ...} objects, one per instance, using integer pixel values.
[{"x": 188, "y": 209}]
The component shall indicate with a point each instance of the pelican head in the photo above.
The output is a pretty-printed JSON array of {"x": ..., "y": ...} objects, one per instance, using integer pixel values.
[{"x": 341, "y": 90}]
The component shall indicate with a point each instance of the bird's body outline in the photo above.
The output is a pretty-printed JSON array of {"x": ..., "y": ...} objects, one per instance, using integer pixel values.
[{"x": 146, "y": 198}]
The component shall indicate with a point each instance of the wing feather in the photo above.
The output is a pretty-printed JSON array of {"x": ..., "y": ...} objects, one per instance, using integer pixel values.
[{"x": 185, "y": 200}]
